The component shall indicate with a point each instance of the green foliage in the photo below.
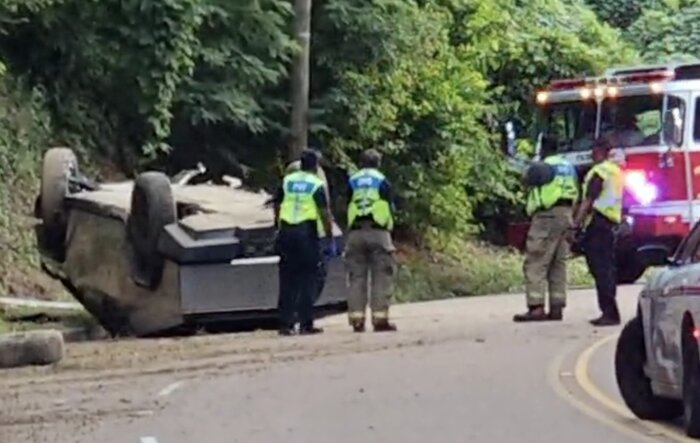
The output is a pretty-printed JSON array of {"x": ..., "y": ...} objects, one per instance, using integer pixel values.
[
  {"x": 233, "y": 108},
  {"x": 25, "y": 128},
  {"x": 520, "y": 46},
  {"x": 10, "y": 8},
  {"x": 414, "y": 99},
  {"x": 119, "y": 72},
  {"x": 470, "y": 269},
  {"x": 169, "y": 36},
  {"x": 668, "y": 34},
  {"x": 232, "y": 69},
  {"x": 423, "y": 81},
  {"x": 622, "y": 13},
  {"x": 137, "y": 69}
]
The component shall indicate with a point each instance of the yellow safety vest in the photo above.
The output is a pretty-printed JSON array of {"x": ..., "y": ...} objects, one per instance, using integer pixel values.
[
  {"x": 298, "y": 205},
  {"x": 609, "y": 203},
  {"x": 366, "y": 199},
  {"x": 564, "y": 186}
]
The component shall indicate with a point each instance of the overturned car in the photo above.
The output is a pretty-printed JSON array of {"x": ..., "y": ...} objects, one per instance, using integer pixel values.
[{"x": 158, "y": 254}]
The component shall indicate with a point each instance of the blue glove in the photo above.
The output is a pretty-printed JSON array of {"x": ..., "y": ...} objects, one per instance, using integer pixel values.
[{"x": 330, "y": 249}]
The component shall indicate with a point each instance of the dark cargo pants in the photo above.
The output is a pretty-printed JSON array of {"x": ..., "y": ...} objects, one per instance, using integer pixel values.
[
  {"x": 298, "y": 248},
  {"x": 545, "y": 257},
  {"x": 370, "y": 264},
  {"x": 599, "y": 248}
]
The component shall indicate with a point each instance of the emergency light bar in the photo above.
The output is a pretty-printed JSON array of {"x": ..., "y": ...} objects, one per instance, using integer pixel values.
[
  {"x": 562, "y": 84},
  {"x": 654, "y": 76},
  {"x": 597, "y": 86}
]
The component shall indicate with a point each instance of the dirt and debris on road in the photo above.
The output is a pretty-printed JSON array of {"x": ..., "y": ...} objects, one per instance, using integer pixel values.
[{"x": 120, "y": 379}]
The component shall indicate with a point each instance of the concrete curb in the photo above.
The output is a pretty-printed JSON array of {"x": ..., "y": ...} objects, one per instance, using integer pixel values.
[{"x": 34, "y": 303}]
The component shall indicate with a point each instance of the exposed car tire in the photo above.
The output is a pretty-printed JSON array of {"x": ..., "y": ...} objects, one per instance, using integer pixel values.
[
  {"x": 59, "y": 165},
  {"x": 691, "y": 385},
  {"x": 634, "y": 385},
  {"x": 152, "y": 208}
]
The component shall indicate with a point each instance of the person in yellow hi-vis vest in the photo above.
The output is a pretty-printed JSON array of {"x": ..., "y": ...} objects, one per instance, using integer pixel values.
[
  {"x": 369, "y": 253},
  {"x": 296, "y": 165},
  {"x": 550, "y": 203},
  {"x": 598, "y": 217},
  {"x": 322, "y": 270},
  {"x": 300, "y": 206}
]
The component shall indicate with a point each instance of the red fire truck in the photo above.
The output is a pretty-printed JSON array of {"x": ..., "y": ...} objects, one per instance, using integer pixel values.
[{"x": 652, "y": 116}]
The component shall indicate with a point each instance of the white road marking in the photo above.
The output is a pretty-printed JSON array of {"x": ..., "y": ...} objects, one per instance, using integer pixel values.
[
  {"x": 148, "y": 440},
  {"x": 172, "y": 387}
]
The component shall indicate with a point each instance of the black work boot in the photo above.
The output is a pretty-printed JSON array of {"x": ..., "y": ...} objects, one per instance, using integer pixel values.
[
  {"x": 556, "y": 313},
  {"x": 309, "y": 330},
  {"x": 384, "y": 326},
  {"x": 534, "y": 313},
  {"x": 358, "y": 326},
  {"x": 604, "y": 320}
]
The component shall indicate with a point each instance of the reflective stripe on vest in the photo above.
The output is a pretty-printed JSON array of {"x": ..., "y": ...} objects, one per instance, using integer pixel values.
[
  {"x": 366, "y": 199},
  {"x": 564, "y": 186},
  {"x": 609, "y": 203},
  {"x": 298, "y": 205}
]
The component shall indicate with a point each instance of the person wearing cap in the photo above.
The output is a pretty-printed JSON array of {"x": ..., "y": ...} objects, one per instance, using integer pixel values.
[
  {"x": 597, "y": 218},
  {"x": 321, "y": 272},
  {"x": 296, "y": 165},
  {"x": 301, "y": 211},
  {"x": 553, "y": 193},
  {"x": 369, "y": 253}
]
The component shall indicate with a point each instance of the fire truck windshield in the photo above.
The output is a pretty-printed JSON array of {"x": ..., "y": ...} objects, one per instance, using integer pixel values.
[
  {"x": 570, "y": 125},
  {"x": 627, "y": 121}
]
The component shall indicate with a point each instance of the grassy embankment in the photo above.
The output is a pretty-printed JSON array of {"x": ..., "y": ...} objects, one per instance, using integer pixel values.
[
  {"x": 24, "y": 319},
  {"x": 25, "y": 130},
  {"x": 477, "y": 269}
]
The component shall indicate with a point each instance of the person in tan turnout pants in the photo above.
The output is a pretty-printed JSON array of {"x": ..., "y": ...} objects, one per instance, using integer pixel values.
[
  {"x": 369, "y": 253},
  {"x": 551, "y": 200}
]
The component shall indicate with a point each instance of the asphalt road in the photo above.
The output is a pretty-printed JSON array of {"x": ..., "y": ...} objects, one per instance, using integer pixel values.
[{"x": 457, "y": 371}]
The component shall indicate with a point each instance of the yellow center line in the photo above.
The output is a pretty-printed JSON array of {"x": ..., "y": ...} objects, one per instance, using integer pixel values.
[
  {"x": 581, "y": 374},
  {"x": 555, "y": 381}
]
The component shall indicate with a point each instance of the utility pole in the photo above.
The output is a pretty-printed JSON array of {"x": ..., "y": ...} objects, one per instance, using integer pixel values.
[{"x": 300, "y": 79}]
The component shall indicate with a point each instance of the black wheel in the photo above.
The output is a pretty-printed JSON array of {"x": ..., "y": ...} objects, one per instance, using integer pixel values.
[
  {"x": 691, "y": 385},
  {"x": 59, "y": 165},
  {"x": 634, "y": 385},
  {"x": 629, "y": 271},
  {"x": 152, "y": 208}
]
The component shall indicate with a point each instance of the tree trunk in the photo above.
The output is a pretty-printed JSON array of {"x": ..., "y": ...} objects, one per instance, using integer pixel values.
[{"x": 300, "y": 79}]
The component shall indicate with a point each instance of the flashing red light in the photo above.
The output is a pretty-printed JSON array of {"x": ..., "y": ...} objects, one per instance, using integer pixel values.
[
  {"x": 560, "y": 84},
  {"x": 643, "y": 190},
  {"x": 648, "y": 77},
  {"x": 696, "y": 333}
]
